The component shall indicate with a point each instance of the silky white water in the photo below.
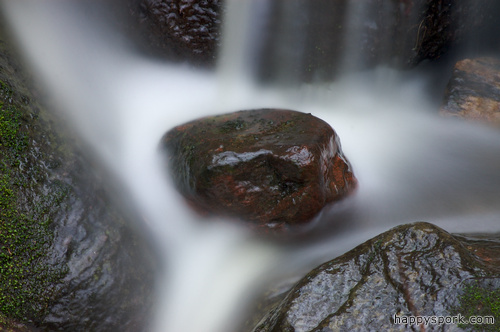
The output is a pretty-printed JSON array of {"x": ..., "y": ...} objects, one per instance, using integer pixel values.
[{"x": 411, "y": 164}]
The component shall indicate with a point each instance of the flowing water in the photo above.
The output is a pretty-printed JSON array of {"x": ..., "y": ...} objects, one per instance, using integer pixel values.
[{"x": 411, "y": 164}]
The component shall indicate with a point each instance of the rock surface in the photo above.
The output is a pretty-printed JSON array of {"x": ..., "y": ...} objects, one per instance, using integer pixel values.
[
  {"x": 410, "y": 270},
  {"x": 317, "y": 40},
  {"x": 180, "y": 30},
  {"x": 473, "y": 91},
  {"x": 275, "y": 168},
  {"x": 69, "y": 260}
]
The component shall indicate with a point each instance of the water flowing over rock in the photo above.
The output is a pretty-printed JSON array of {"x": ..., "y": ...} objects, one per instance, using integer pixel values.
[
  {"x": 69, "y": 258},
  {"x": 315, "y": 40},
  {"x": 318, "y": 40},
  {"x": 411, "y": 270},
  {"x": 275, "y": 168},
  {"x": 473, "y": 91}
]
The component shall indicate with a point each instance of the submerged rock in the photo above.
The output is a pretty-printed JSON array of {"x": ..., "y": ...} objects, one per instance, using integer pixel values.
[
  {"x": 473, "y": 91},
  {"x": 275, "y": 168},
  {"x": 411, "y": 270}
]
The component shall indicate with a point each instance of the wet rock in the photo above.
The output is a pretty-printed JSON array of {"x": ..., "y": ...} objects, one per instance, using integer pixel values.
[
  {"x": 473, "y": 91},
  {"x": 318, "y": 40},
  {"x": 180, "y": 30},
  {"x": 69, "y": 259},
  {"x": 449, "y": 26},
  {"x": 411, "y": 270},
  {"x": 8, "y": 325},
  {"x": 274, "y": 168}
]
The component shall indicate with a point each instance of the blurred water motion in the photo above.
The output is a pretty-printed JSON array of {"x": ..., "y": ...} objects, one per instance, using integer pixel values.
[{"x": 411, "y": 165}]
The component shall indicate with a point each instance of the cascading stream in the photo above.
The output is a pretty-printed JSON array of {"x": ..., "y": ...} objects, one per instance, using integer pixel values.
[{"x": 411, "y": 165}]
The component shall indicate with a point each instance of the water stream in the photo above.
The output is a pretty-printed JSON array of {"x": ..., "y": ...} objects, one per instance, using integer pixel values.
[{"x": 411, "y": 164}]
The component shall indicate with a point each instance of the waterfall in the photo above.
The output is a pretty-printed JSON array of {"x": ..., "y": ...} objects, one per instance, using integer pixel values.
[{"x": 411, "y": 165}]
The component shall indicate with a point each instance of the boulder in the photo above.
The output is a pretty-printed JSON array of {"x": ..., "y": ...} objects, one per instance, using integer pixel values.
[
  {"x": 274, "y": 168},
  {"x": 411, "y": 270},
  {"x": 473, "y": 92}
]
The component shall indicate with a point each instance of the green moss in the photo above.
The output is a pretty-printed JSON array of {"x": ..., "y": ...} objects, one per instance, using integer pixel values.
[
  {"x": 232, "y": 126},
  {"x": 26, "y": 279},
  {"x": 8, "y": 325},
  {"x": 480, "y": 299}
]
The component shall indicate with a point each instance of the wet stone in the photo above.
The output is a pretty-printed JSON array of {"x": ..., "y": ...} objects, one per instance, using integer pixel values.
[
  {"x": 473, "y": 92},
  {"x": 411, "y": 270},
  {"x": 274, "y": 168},
  {"x": 313, "y": 45},
  {"x": 179, "y": 30},
  {"x": 71, "y": 259}
]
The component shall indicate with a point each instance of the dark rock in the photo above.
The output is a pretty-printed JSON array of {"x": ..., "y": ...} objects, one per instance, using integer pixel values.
[
  {"x": 317, "y": 40},
  {"x": 180, "y": 30},
  {"x": 10, "y": 325},
  {"x": 411, "y": 270},
  {"x": 69, "y": 260},
  {"x": 275, "y": 168},
  {"x": 473, "y": 91}
]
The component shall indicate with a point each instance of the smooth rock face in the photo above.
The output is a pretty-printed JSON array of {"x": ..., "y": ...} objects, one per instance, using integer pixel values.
[
  {"x": 474, "y": 91},
  {"x": 276, "y": 168},
  {"x": 416, "y": 269}
]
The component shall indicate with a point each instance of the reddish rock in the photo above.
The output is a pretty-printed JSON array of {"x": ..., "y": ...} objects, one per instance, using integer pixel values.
[
  {"x": 474, "y": 91},
  {"x": 274, "y": 168}
]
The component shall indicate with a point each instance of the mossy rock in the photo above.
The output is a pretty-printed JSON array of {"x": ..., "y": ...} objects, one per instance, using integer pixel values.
[
  {"x": 411, "y": 270},
  {"x": 69, "y": 259}
]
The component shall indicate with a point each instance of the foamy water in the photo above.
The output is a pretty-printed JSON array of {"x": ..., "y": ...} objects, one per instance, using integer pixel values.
[{"x": 411, "y": 164}]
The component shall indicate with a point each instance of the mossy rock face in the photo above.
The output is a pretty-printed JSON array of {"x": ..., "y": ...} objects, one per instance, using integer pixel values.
[
  {"x": 479, "y": 299},
  {"x": 411, "y": 270},
  {"x": 274, "y": 168},
  {"x": 69, "y": 260},
  {"x": 11, "y": 325}
]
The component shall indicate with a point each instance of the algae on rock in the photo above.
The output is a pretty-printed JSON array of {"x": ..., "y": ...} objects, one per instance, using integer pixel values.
[
  {"x": 69, "y": 258},
  {"x": 26, "y": 280},
  {"x": 411, "y": 270}
]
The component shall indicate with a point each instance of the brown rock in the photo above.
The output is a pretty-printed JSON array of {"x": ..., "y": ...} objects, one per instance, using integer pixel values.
[
  {"x": 474, "y": 91},
  {"x": 275, "y": 168}
]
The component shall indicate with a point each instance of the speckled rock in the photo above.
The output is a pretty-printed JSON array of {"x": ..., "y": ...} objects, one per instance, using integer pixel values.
[
  {"x": 275, "y": 168},
  {"x": 180, "y": 29},
  {"x": 473, "y": 91},
  {"x": 411, "y": 270}
]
